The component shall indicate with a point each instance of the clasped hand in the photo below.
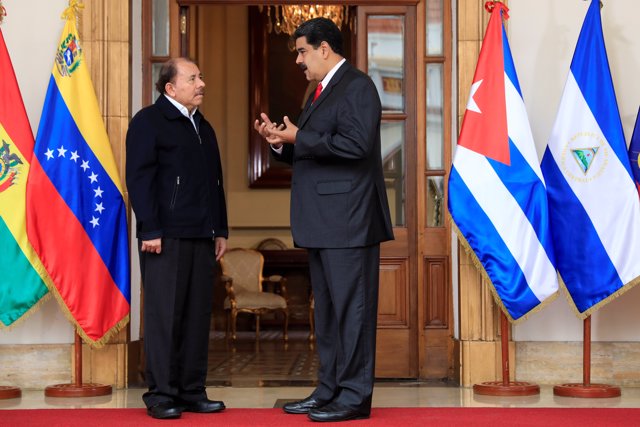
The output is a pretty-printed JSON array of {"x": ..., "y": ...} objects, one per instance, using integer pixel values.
[{"x": 276, "y": 134}]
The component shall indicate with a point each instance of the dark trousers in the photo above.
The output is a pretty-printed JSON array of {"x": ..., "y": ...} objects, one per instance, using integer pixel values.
[
  {"x": 178, "y": 289},
  {"x": 345, "y": 288}
]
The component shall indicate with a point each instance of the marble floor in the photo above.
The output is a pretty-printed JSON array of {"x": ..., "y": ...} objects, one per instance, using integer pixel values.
[
  {"x": 267, "y": 362},
  {"x": 267, "y": 374},
  {"x": 397, "y": 394}
]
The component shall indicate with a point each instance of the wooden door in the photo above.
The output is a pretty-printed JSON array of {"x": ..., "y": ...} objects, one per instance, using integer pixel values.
[
  {"x": 386, "y": 51},
  {"x": 435, "y": 294}
]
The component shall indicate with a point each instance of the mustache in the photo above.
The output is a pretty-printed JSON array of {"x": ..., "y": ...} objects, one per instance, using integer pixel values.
[{"x": 302, "y": 66}]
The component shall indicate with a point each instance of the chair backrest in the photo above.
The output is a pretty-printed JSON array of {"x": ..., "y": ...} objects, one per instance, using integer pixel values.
[
  {"x": 271, "y": 244},
  {"x": 244, "y": 266}
]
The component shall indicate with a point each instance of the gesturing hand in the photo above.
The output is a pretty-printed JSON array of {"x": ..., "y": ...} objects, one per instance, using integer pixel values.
[{"x": 276, "y": 134}]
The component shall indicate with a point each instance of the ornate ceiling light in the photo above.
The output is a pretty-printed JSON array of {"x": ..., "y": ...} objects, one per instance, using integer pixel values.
[{"x": 287, "y": 18}]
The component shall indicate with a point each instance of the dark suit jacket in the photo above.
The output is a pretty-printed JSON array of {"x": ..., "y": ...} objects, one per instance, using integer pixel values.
[
  {"x": 338, "y": 197},
  {"x": 174, "y": 175}
]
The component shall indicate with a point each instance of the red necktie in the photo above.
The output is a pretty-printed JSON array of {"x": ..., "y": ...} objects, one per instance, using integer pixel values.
[{"x": 318, "y": 91}]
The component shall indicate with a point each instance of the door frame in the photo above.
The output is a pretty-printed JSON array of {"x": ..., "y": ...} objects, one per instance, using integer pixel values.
[{"x": 419, "y": 253}]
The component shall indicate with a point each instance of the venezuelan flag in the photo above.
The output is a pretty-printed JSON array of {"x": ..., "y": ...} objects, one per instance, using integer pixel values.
[
  {"x": 76, "y": 218},
  {"x": 22, "y": 281}
]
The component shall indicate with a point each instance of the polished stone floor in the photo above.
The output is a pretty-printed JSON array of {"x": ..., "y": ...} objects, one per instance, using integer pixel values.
[
  {"x": 246, "y": 374},
  {"x": 267, "y": 362},
  {"x": 397, "y": 394}
]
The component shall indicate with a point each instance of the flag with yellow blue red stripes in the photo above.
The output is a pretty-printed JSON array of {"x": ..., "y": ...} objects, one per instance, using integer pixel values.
[{"x": 76, "y": 218}]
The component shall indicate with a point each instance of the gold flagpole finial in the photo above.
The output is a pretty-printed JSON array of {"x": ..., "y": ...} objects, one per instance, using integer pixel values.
[
  {"x": 73, "y": 11},
  {"x": 3, "y": 12}
]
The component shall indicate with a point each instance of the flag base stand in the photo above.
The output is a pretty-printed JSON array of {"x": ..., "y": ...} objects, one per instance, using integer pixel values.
[
  {"x": 77, "y": 389},
  {"x": 505, "y": 387},
  {"x": 9, "y": 392},
  {"x": 510, "y": 388},
  {"x": 586, "y": 389}
]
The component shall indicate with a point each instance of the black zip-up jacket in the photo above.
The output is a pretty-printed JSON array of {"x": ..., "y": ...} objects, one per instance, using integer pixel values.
[{"x": 174, "y": 175}]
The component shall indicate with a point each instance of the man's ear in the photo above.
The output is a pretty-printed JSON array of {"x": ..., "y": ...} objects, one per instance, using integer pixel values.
[
  {"x": 326, "y": 49},
  {"x": 169, "y": 89}
]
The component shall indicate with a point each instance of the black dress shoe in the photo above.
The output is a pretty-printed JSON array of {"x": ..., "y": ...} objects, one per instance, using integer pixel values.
[
  {"x": 164, "y": 411},
  {"x": 205, "y": 406},
  {"x": 303, "y": 406},
  {"x": 335, "y": 411}
]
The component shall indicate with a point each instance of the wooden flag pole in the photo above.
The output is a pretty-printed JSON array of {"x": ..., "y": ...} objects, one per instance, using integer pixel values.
[
  {"x": 586, "y": 389},
  {"x": 78, "y": 388},
  {"x": 505, "y": 387}
]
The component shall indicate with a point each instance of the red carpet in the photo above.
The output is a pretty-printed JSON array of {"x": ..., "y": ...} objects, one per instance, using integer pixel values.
[{"x": 405, "y": 417}]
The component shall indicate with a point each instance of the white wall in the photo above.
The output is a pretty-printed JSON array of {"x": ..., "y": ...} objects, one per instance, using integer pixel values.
[
  {"x": 543, "y": 35},
  {"x": 32, "y": 30}
]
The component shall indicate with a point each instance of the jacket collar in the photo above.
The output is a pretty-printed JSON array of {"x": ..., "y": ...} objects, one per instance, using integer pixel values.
[{"x": 171, "y": 112}]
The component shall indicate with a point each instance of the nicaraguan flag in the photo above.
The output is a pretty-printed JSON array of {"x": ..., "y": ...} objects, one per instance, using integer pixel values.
[
  {"x": 593, "y": 204},
  {"x": 634, "y": 152},
  {"x": 76, "y": 218},
  {"x": 497, "y": 196}
]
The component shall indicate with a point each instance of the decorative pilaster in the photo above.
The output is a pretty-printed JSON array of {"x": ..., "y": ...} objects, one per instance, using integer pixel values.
[
  {"x": 479, "y": 347},
  {"x": 104, "y": 32}
]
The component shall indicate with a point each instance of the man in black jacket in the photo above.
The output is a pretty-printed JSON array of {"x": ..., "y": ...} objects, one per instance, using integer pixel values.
[
  {"x": 174, "y": 178},
  {"x": 340, "y": 213}
]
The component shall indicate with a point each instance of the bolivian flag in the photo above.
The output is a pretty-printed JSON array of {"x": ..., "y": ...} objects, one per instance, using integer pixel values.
[
  {"x": 76, "y": 218},
  {"x": 22, "y": 275}
]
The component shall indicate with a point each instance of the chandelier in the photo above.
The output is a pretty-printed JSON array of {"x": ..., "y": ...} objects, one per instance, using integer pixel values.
[{"x": 285, "y": 19}]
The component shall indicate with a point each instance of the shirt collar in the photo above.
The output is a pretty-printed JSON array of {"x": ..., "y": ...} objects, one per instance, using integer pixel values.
[
  {"x": 331, "y": 73},
  {"x": 181, "y": 108}
]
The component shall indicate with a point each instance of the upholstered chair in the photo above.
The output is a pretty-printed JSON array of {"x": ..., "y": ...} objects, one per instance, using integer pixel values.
[{"x": 244, "y": 283}]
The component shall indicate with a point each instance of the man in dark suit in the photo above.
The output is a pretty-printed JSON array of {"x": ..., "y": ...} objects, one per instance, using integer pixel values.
[
  {"x": 340, "y": 213},
  {"x": 174, "y": 178}
]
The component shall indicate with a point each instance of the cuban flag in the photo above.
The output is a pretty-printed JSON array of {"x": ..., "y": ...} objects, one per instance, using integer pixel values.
[
  {"x": 497, "y": 196},
  {"x": 593, "y": 203},
  {"x": 76, "y": 217},
  {"x": 634, "y": 152}
]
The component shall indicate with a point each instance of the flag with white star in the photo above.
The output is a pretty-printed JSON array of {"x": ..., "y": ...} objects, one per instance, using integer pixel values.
[
  {"x": 76, "y": 214},
  {"x": 497, "y": 197}
]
